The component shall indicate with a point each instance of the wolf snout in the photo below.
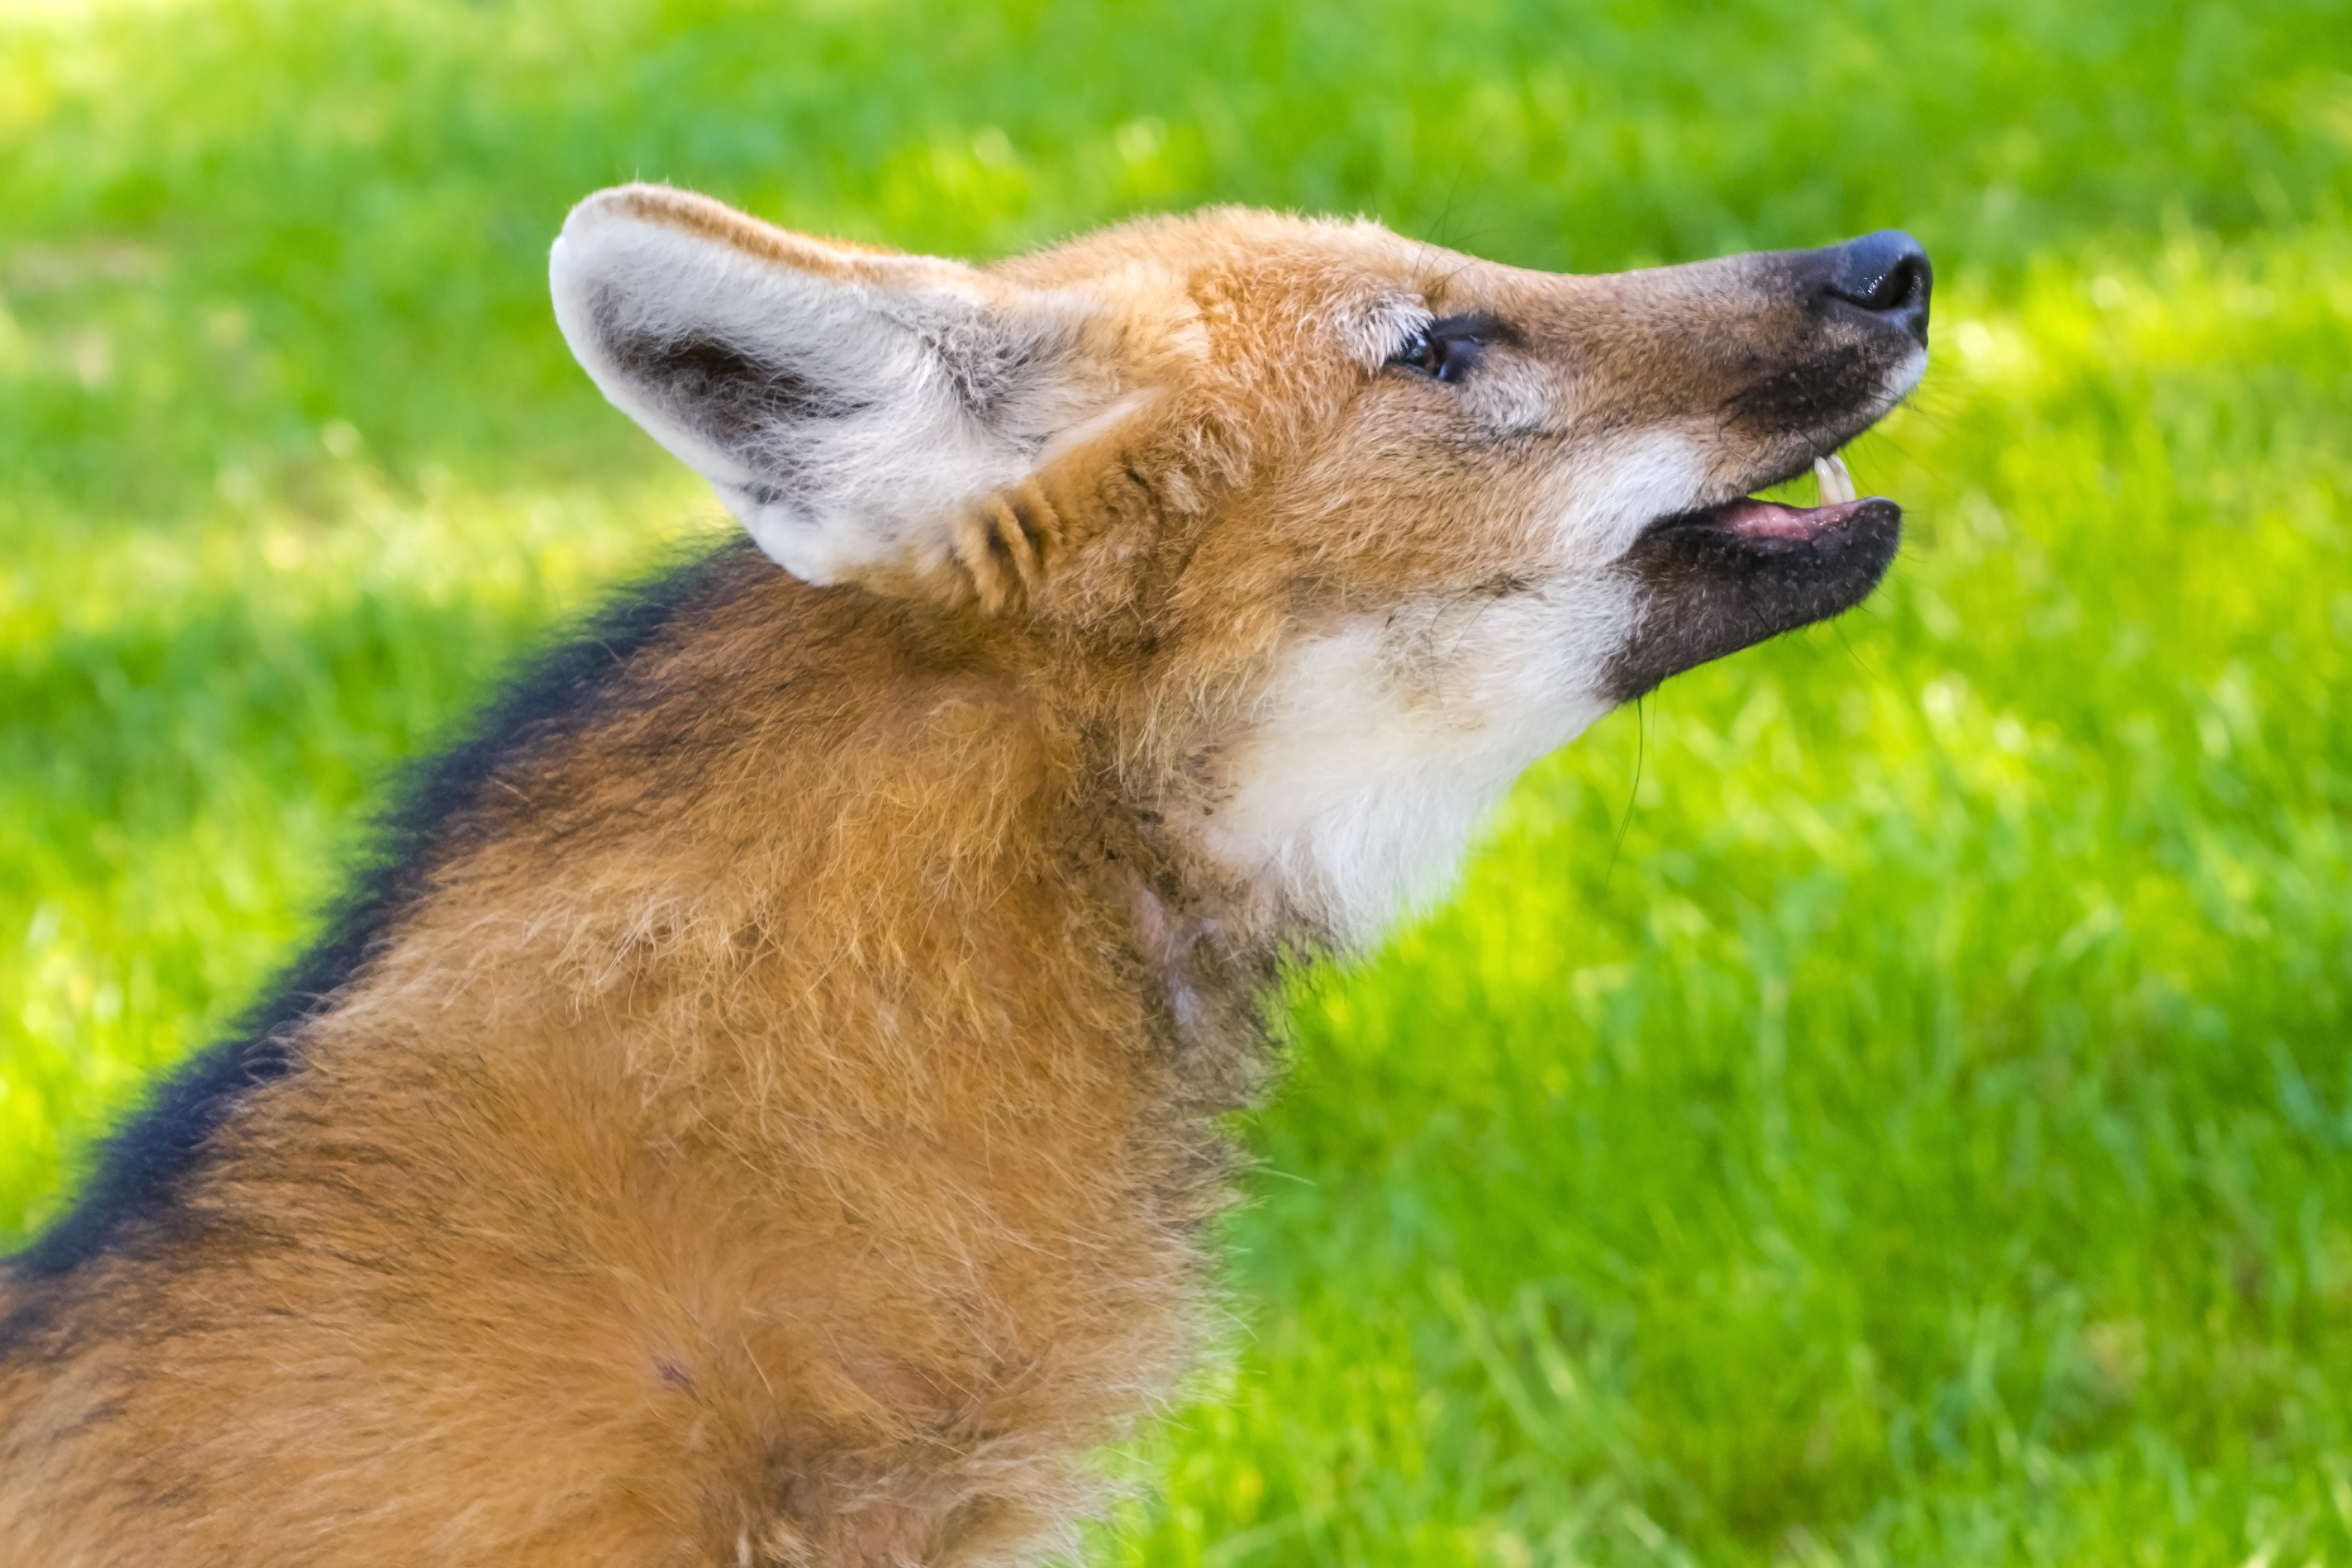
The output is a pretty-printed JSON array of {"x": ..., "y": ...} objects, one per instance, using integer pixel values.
[{"x": 1887, "y": 274}]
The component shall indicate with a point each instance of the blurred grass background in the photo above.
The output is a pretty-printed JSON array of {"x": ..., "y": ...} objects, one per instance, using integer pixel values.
[{"x": 1887, "y": 1102}]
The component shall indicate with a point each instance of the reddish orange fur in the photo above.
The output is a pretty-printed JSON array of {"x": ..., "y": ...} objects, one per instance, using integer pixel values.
[
  {"x": 709, "y": 1155},
  {"x": 771, "y": 1138}
]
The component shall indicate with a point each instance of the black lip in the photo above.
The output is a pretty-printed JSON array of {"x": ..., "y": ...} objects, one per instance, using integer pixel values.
[{"x": 1707, "y": 590}]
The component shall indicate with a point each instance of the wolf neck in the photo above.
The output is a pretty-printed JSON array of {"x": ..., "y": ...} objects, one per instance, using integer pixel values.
[
  {"x": 1348, "y": 801},
  {"x": 853, "y": 812}
]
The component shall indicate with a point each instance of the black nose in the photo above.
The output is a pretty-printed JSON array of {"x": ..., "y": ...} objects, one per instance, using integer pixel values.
[{"x": 1887, "y": 274}]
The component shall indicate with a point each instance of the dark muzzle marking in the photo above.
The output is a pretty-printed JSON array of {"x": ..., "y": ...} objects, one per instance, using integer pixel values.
[{"x": 1707, "y": 589}]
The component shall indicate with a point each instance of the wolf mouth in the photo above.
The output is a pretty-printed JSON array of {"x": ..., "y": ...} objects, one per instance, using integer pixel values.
[{"x": 1719, "y": 578}]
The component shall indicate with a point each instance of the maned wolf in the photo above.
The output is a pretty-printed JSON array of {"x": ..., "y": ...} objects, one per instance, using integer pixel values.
[{"x": 762, "y": 1110}]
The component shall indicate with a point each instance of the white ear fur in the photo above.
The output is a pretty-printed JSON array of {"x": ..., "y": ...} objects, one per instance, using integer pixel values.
[{"x": 845, "y": 404}]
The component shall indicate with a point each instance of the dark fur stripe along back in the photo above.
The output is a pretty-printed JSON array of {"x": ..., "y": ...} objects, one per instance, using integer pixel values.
[{"x": 136, "y": 1182}]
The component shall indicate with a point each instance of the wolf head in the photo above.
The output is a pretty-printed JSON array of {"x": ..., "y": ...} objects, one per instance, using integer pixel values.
[{"x": 1338, "y": 531}]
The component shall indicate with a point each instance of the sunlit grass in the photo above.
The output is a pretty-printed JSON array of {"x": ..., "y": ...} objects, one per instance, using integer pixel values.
[{"x": 1885, "y": 1101}]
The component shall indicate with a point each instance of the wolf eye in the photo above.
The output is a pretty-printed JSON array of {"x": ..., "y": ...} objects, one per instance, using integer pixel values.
[{"x": 1445, "y": 349}]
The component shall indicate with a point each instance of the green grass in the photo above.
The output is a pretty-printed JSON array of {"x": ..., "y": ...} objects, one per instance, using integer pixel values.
[{"x": 1889, "y": 1100}]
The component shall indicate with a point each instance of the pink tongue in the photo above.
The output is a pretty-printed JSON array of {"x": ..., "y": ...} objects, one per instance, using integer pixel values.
[{"x": 1770, "y": 519}]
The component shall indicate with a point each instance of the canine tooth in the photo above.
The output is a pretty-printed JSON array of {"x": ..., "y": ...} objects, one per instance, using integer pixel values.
[{"x": 1836, "y": 484}]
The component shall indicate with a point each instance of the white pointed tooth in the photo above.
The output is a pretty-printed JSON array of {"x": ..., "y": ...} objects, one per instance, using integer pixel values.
[{"x": 1836, "y": 484}]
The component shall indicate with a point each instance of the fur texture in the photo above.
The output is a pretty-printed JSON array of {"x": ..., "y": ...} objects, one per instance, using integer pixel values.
[{"x": 762, "y": 1110}]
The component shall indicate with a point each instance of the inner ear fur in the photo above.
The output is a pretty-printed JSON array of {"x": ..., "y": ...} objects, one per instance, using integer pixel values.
[{"x": 868, "y": 416}]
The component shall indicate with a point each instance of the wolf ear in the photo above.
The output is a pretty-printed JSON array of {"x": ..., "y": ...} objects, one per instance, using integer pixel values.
[{"x": 847, "y": 405}]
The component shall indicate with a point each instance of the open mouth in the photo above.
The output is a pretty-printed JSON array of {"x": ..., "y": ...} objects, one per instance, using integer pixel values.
[
  {"x": 1763, "y": 522},
  {"x": 1719, "y": 579}
]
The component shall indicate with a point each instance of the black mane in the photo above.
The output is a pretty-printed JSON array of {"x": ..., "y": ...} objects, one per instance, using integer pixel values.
[{"x": 140, "y": 1167}]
